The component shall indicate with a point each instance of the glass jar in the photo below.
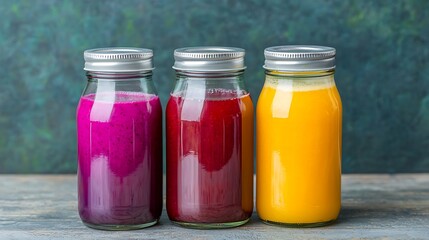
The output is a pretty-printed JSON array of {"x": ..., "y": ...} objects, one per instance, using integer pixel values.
[
  {"x": 119, "y": 136},
  {"x": 209, "y": 124},
  {"x": 299, "y": 116}
]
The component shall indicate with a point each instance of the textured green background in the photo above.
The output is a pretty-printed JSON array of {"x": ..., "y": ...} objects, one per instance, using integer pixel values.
[{"x": 382, "y": 67}]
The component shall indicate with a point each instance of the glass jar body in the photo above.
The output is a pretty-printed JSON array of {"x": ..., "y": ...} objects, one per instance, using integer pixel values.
[
  {"x": 209, "y": 124},
  {"x": 299, "y": 125},
  {"x": 119, "y": 129}
]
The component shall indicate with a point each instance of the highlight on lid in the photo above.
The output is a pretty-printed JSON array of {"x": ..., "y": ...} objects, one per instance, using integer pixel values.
[
  {"x": 209, "y": 59},
  {"x": 118, "y": 59},
  {"x": 297, "y": 58}
]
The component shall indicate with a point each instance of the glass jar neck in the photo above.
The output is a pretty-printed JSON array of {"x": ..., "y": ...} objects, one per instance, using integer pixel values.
[
  {"x": 301, "y": 74},
  {"x": 109, "y": 83},
  {"x": 213, "y": 85},
  {"x": 299, "y": 81},
  {"x": 215, "y": 74},
  {"x": 113, "y": 76}
]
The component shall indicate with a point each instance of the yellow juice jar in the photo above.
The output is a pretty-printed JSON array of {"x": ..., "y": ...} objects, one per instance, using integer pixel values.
[{"x": 298, "y": 126}]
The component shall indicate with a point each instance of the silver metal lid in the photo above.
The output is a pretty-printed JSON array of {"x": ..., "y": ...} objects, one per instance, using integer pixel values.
[
  {"x": 118, "y": 59},
  {"x": 209, "y": 59},
  {"x": 299, "y": 58}
]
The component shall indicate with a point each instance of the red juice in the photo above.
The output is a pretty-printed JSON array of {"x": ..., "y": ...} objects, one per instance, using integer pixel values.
[
  {"x": 209, "y": 158},
  {"x": 119, "y": 158}
]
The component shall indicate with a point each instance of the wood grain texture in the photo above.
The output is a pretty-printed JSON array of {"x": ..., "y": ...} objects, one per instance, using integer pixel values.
[{"x": 374, "y": 207}]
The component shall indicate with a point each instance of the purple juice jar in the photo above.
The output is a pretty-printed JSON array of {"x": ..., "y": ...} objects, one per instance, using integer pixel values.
[{"x": 119, "y": 138}]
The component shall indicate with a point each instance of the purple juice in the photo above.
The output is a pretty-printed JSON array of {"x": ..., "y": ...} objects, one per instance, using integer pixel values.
[{"x": 119, "y": 158}]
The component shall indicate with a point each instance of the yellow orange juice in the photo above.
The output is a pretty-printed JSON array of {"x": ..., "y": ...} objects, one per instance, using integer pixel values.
[{"x": 299, "y": 150}]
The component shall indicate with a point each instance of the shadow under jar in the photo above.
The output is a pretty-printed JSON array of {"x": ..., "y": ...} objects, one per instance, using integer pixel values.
[
  {"x": 209, "y": 125},
  {"x": 119, "y": 128}
]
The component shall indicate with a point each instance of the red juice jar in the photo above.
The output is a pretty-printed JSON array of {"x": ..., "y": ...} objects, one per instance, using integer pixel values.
[{"x": 209, "y": 125}]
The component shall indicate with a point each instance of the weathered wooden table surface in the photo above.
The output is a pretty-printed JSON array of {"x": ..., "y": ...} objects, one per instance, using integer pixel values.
[{"x": 374, "y": 206}]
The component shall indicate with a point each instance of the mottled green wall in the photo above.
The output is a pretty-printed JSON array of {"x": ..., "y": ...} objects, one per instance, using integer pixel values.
[{"x": 382, "y": 67}]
